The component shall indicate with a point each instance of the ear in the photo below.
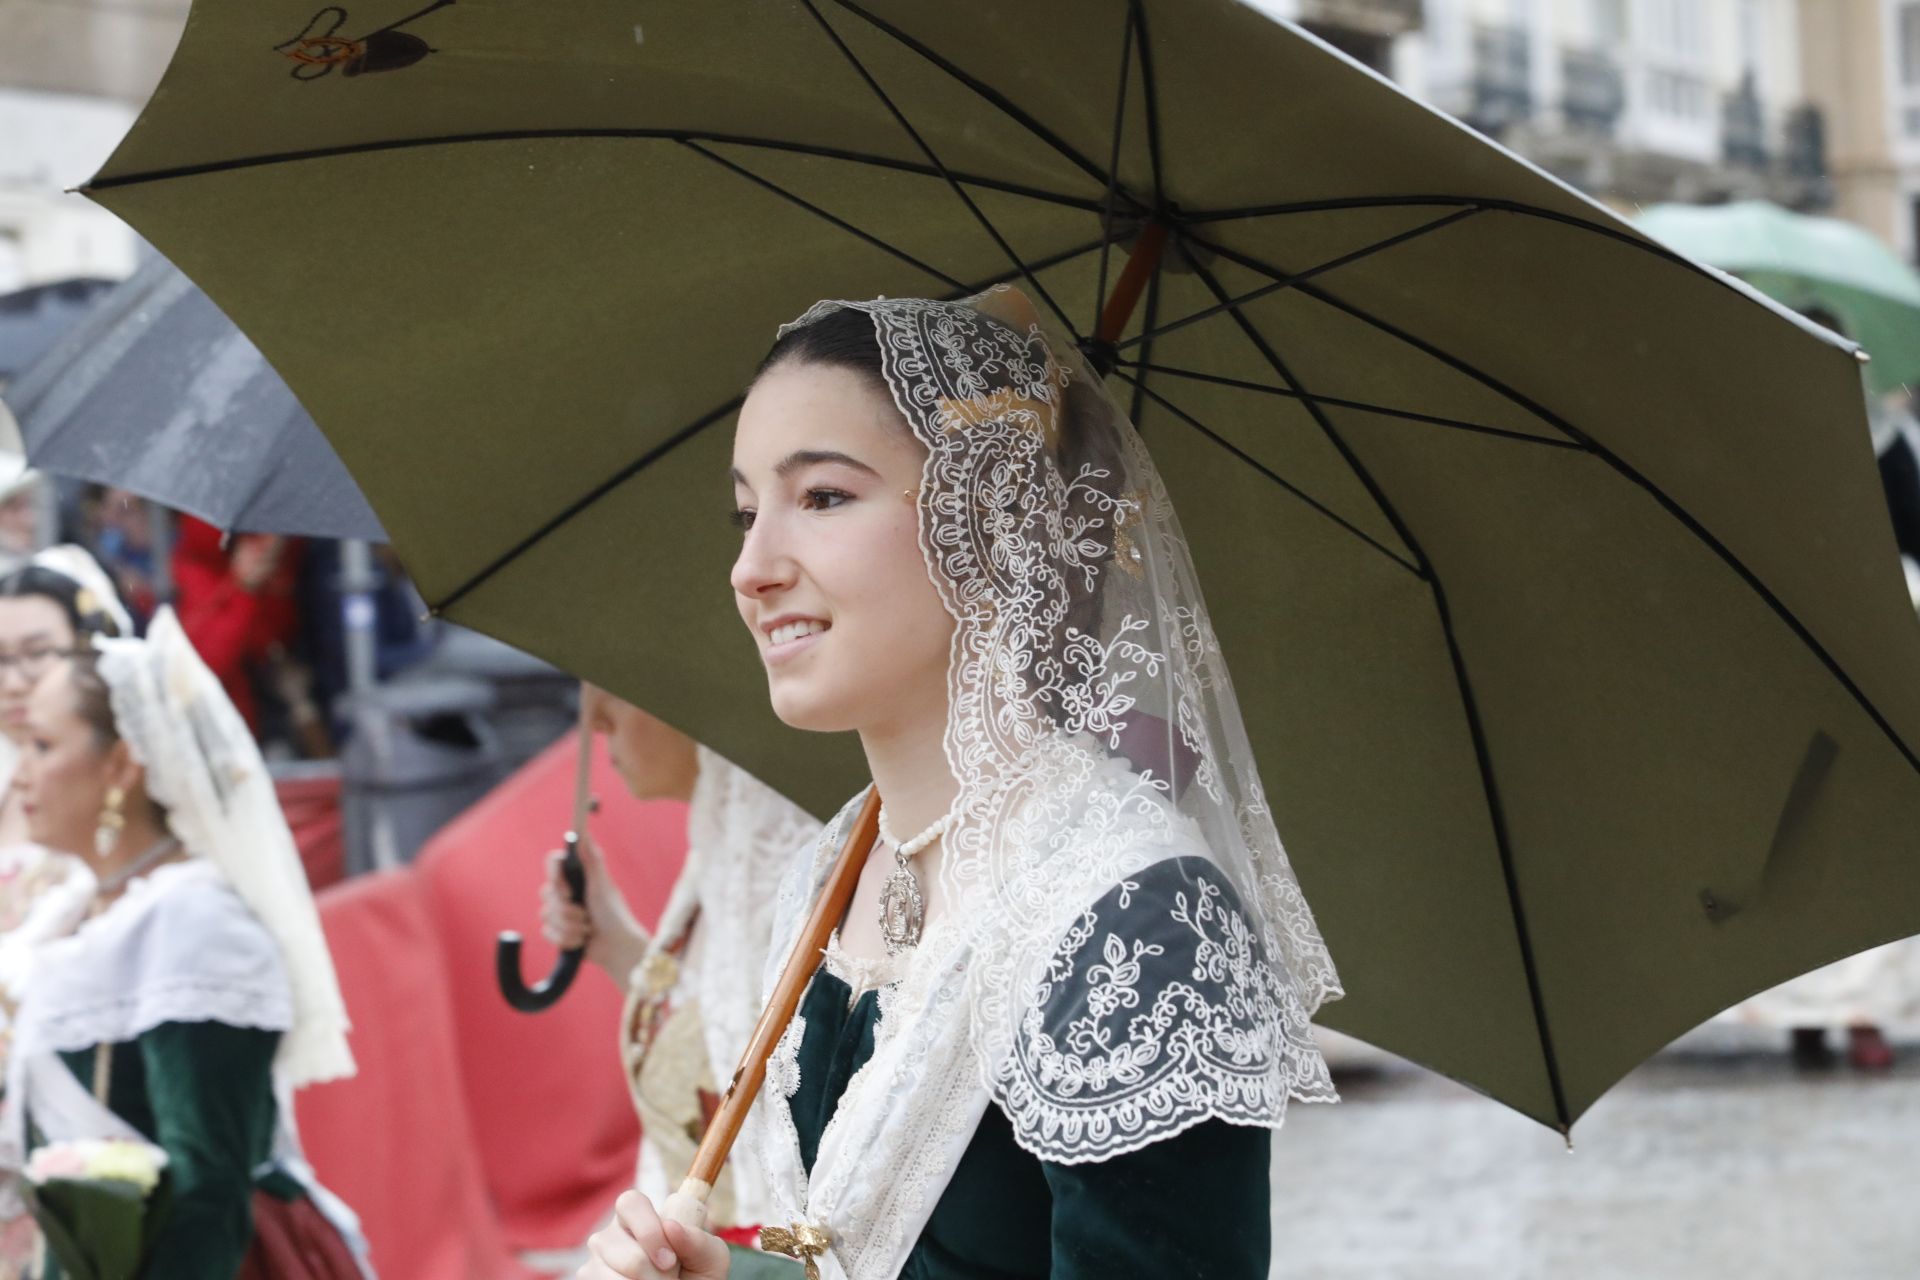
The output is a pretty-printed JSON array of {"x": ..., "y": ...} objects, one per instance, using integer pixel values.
[{"x": 123, "y": 771}]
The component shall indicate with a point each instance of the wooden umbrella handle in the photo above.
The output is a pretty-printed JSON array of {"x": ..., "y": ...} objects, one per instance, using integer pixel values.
[{"x": 688, "y": 1205}]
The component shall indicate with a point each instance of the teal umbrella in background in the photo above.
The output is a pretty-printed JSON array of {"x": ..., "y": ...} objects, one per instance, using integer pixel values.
[{"x": 1809, "y": 264}]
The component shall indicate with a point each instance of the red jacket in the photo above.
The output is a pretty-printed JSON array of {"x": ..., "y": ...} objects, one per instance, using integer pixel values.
[{"x": 234, "y": 630}]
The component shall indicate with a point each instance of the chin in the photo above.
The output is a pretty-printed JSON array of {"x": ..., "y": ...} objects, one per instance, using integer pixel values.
[{"x": 811, "y": 711}]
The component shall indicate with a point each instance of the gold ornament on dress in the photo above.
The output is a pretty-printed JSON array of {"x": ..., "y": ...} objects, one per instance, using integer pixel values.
[{"x": 803, "y": 1242}]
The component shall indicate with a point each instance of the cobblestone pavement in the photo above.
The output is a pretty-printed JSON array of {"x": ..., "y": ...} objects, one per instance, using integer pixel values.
[{"x": 1718, "y": 1158}]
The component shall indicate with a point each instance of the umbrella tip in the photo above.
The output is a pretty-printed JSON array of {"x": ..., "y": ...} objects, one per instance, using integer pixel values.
[{"x": 1566, "y": 1134}]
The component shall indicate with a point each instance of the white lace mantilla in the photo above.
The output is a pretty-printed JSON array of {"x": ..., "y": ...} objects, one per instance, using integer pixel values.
[
  {"x": 742, "y": 837},
  {"x": 203, "y": 766},
  {"x": 1124, "y": 951}
]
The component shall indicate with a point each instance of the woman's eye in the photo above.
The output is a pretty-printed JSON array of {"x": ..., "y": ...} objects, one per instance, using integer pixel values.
[
  {"x": 826, "y": 499},
  {"x": 741, "y": 518}
]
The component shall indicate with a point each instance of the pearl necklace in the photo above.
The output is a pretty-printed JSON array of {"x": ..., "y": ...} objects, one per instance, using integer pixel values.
[{"x": 903, "y": 909}]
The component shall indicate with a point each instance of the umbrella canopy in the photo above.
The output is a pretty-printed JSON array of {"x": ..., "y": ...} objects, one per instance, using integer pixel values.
[
  {"x": 1809, "y": 264},
  {"x": 32, "y": 319},
  {"x": 155, "y": 391},
  {"x": 1550, "y": 566}
]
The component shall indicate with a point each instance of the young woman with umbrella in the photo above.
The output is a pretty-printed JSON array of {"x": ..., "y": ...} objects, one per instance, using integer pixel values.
[
  {"x": 1071, "y": 994},
  {"x": 693, "y": 984}
]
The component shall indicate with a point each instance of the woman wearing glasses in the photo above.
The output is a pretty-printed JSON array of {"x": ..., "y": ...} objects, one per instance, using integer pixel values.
[{"x": 49, "y": 607}]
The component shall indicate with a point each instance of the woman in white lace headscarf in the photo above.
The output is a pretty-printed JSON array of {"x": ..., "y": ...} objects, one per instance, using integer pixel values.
[
  {"x": 693, "y": 983},
  {"x": 199, "y": 993},
  {"x": 49, "y": 605},
  {"x": 1071, "y": 998}
]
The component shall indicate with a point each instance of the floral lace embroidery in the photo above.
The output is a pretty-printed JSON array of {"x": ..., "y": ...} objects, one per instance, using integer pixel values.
[{"x": 1129, "y": 952}]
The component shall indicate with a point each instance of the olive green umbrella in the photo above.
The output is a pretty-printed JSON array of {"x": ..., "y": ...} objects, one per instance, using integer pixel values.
[
  {"x": 1810, "y": 264},
  {"x": 1550, "y": 566}
]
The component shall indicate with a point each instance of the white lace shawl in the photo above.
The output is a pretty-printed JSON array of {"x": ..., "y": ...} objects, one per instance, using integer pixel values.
[
  {"x": 1153, "y": 1015},
  {"x": 178, "y": 945},
  {"x": 742, "y": 836},
  {"x": 57, "y": 908}
]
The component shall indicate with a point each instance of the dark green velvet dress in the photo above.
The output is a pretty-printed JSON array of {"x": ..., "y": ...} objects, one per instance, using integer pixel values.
[
  {"x": 1193, "y": 1205},
  {"x": 203, "y": 1092}
]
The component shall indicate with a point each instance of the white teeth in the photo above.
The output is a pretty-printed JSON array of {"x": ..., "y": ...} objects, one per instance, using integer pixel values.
[{"x": 789, "y": 631}]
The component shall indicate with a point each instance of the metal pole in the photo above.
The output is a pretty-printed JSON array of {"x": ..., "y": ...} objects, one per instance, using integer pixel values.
[{"x": 359, "y": 617}]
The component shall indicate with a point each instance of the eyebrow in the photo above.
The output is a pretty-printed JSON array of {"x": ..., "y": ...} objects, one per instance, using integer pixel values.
[
  {"x": 801, "y": 458},
  {"x": 43, "y": 636}
]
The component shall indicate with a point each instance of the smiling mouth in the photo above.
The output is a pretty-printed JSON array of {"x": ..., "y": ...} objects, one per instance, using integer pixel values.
[{"x": 788, "y": 632}]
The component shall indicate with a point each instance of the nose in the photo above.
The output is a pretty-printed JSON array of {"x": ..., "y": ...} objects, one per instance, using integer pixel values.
[{"x": 765, "y": 565}]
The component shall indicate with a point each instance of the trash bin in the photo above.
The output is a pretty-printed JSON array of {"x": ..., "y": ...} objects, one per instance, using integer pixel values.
[
  {"x": 533, "y": 703},
  {"x": 420, "y": 752}
]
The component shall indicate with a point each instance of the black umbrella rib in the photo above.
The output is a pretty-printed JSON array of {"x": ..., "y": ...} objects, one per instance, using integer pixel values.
[
  {"x": 1463, "y": 681},
  {"x": 987, "y": 93},
  {"x": 825, "y": 216},
  {"x": 652, "y": 456},
  {"x": 1045, "y": 263},
  {"x": 1085, "y": 204},
  {"x": 1363, "y": 406},
  {"x": 1259, "y": 466},
  {"x": 1491, "y": 203},
  {"x": 584, "y": 501},
  {"x": 1620, "y": 465},
  {"x": 1150, "y": 98},
  {"x": 1113, "y": 160},
  {"x": 1334, "y": 264},
  {"x": 899, "y": 116}
]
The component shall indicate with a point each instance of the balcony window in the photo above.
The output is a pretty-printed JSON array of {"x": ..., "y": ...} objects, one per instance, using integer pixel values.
[
  {"x": 1676, "y": 80},
  {"x": 1593, "y": 90},
  {"x": 1907, "y": 50},
  {"x": 1743, "y": 127},
  {"x": 1502, "y": 77}
]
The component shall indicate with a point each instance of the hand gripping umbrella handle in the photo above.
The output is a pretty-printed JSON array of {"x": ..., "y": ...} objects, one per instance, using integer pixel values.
[
  {"x": 506, "y": 952},
  {"x": 688, "y": 1205}
]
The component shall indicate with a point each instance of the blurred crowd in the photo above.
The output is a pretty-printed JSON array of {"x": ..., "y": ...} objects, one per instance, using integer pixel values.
[{"x": 267, "y": 613}]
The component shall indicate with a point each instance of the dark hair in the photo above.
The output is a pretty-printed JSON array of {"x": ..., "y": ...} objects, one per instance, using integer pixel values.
[
  {"x": 843, "y": 339},
  {"x": 50, "y": 584},
  {"x": 93, "y": 700}
]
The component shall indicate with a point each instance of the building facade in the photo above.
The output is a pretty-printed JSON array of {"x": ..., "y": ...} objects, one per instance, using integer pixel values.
[
  {"x": 1862, "y": 62},
  {"x": 73, "y": 74},
  {"x": 1634, "y": 101}
]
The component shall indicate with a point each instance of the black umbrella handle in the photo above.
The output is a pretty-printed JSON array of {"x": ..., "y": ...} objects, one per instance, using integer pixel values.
[{"x": 506, "y": 954}]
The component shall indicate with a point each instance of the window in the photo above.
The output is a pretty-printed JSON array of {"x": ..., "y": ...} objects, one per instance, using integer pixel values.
[
  {"x": 1676, "y": 48},
  {"x": 1909, "y": 44},
  {"x": 1907, "y": 52}
]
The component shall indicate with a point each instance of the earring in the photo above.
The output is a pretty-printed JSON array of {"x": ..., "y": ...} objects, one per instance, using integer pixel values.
[{"x": 112, "y": 822}]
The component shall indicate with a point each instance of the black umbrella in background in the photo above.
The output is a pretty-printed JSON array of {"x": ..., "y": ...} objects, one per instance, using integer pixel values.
[
  {"x": 33, "y": 319},
  {"x": 156, "y": 391}
]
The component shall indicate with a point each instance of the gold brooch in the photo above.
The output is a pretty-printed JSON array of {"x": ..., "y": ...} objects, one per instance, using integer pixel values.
[{"x": 803, "y": 1242}]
